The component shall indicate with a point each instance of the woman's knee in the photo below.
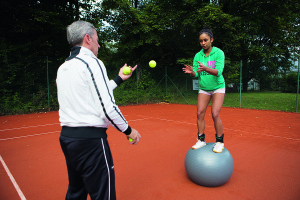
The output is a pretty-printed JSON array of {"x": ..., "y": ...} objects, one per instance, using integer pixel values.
[
  {"x": 215, "y": 115},
  {"x": 200, "y": 114}
]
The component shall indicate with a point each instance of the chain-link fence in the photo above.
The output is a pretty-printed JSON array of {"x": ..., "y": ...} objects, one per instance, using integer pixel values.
[{"x": 162, "y": 84}]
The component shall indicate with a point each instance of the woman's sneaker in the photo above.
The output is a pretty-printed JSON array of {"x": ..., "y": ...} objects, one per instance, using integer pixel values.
[
  {"x": 218, "y": 148},
  {"x": 199, "y": 144}
]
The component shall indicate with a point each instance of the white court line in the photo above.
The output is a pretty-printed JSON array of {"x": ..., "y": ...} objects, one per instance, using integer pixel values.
[
  {"x": 137, "y": 120},
  {"x": 28, "y": 136},
  {"x": 227, "y": 129},
  {"x": 276, "y": 136},
  {"x": 44, "y": 133},
  {"x": 12, "y": 180},
  {"x": 11, "y": 129},
  {"x": 145, "y": 118}
]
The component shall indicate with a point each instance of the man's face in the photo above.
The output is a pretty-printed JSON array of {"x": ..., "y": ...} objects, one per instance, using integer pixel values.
[{"x": 94, "y": 44}]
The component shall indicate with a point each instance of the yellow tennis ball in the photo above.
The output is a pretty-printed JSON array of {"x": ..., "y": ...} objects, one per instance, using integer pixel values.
[
  {"x": 152, "y": 63},
  {"x": 130, "y": 140},
  {"x": 126, "y": 70}
]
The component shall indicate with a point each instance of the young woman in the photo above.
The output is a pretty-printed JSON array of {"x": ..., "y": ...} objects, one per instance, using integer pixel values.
[{"x": 208, "y": 67}]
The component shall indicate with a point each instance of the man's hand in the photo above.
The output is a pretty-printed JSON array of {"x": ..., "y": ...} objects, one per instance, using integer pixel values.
[
  {"x": 135, "y": 136},
  {"x": 123, "y": 76}
]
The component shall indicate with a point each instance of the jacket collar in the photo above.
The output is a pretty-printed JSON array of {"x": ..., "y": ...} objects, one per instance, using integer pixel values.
[{"x": 80, "y": 49}]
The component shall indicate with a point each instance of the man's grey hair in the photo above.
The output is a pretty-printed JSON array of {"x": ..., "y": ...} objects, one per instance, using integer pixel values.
[{"x": 77, "y": 30}]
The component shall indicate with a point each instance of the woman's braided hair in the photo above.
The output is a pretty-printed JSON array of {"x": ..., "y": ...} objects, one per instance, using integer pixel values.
[{"x": 206, "y": 30}]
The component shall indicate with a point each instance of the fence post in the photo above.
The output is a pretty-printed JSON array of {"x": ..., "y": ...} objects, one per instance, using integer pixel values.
[
  {"x": 241, "y": 64},
  {"x": 48, "y": 86},
  {"x": 137, "y": 86},
  {"x": 166, "y": 81},
  {"x": 297, "y": 85}
]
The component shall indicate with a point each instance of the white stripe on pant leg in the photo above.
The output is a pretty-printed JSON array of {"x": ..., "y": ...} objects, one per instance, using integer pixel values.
[{"x": 107, "y": 169}]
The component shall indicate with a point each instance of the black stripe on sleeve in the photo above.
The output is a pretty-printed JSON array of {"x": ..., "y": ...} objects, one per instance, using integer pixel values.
[
  {"x": 99, "y": 96},
  {"x": 111, "y": 99}
]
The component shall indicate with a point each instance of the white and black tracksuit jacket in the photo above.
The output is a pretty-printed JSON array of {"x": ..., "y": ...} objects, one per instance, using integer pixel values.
[{"x": 85, "y": 93}]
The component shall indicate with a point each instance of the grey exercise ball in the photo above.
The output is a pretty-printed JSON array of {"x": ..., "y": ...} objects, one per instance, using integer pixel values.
[{"x": 207, "y": 168}]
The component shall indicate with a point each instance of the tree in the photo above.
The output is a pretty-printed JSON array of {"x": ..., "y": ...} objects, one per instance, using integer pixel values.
[
  {"x": 270, "y": 29},
  {"x": 167, "y": 31},
  {"x": 31, "y": 31}
]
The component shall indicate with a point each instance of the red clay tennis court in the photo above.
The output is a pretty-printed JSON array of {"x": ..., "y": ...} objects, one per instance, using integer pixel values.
[{"x": 265, "y": 146}]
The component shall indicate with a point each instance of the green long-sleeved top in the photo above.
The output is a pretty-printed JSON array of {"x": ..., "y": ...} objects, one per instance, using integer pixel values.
[{"x": 215, "y": 60}]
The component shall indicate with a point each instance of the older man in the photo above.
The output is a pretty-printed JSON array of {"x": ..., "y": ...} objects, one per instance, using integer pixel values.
[{"x": 86, "y": 108}]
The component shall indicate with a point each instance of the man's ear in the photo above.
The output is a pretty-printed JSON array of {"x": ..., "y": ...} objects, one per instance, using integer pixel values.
[
  {"x": 87, "y": 39},
  {"x": 211, "y": 39}
]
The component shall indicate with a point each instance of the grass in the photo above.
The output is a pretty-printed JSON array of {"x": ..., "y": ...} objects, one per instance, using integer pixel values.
[
  {"x": 253, "y": 100},
  {"x": 277, "y": 101}
]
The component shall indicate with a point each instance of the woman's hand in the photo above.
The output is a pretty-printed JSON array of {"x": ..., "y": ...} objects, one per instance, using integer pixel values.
[
  {"x": 201, "y": 67},
  {"x": 188, "y": 70}
]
